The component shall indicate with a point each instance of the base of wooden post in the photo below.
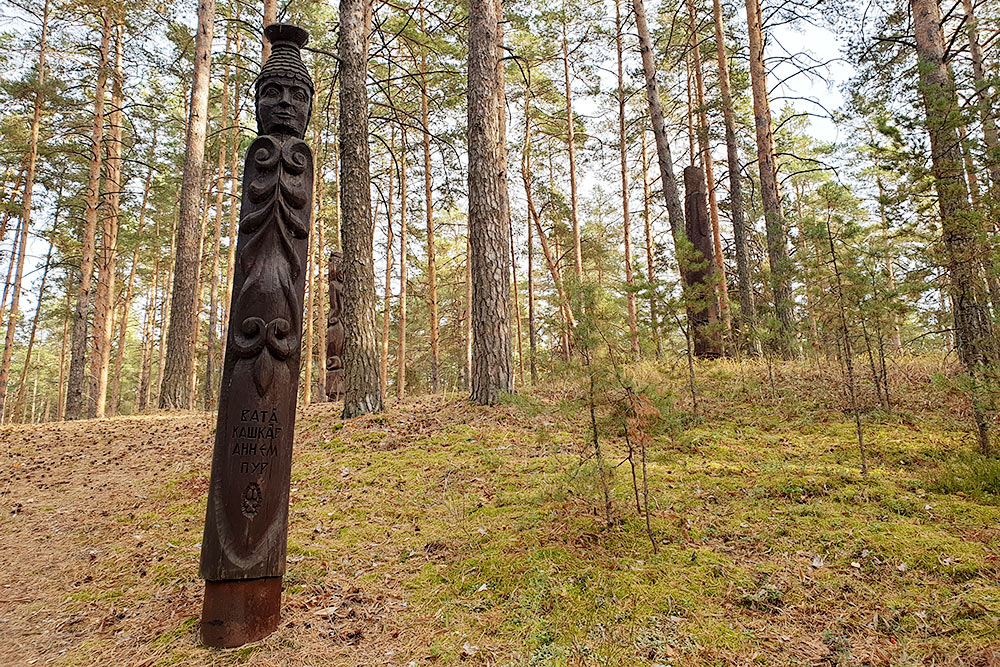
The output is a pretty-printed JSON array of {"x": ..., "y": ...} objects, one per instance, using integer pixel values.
[{"x": 239, "y": 612}]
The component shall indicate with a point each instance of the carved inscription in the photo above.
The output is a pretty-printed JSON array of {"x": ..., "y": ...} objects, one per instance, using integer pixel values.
[{"x": 255, "y": 441}]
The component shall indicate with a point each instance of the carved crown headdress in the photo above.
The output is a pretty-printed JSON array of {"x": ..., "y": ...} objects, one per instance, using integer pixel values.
[{"x": 285, "y": 61}]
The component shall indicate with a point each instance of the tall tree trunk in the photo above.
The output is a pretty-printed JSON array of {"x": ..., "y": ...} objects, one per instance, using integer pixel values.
[
  {"x": 429, "y": 213},
  {"x": 401, "y": 340},
  {"x": 8, "y": 346},
  {"x": 11, "y": 265},
  {"x": 29, "y": 186},
  {"x": 571, "y": 144},
  {"x": 183, "y": 328},
  {"x": 234, "y": 165},
  {"x": 960, "y": 225},
  {"x": 15, "y": 191},
  {"x": 675, "y": 212},
  {"x": 777, "y": 244},
  {"x": 34, "y": 330},
  {"x": 104, "y": 298},
  {"x": 747, "y": 308},
  {"x": 647, "y": 219},
  {"x": 534, "y": 215},
  {"x": 63, "y": 350},
  {"x": 488, "y": 226},
  {"x": 116, "y": 378},
  {"x": 387, "y": 298},
  {"x": 890, "y": 273},
  {"x": 213, "y": 280},
  {"x": 145, "y": 354},
  {"x": 199, "y": 300},
  {"x": 78, "y": 351},
  {"x": 702, "y": 309},
  {"x": 707, "y": 166},
  {"x": 985, "y": 99},
  {"x": 467, "y": 315},
  {"x": 363, "y": 393},
  {"x": 270, "y": 16},
  {"x": 633, "y": 324},
  {"x": 165, "y": 308},
  {"x": 532, "y": 342}
]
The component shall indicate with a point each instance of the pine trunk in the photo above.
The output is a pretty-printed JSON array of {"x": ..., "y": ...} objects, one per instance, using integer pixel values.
[
  {"x": 647, "y": 219},
  {"x": 361, "y": 361},
  {"x": 34, "y": 330},
  {"x": 571, "y": 145},
  {"x": 675, "y": 211},
  {"x": 429, "y": 214},
  {"x": 104, "y": 298},
  {"x": 707, "y": 165},
  {"x": 401, "y": 340},
  {"x": 488, "y": 227},
  {"x": 75, "y": 408},
  {"x": 213, "y": 280},
  {"x": 387, "y": 291},
  {"x": 959, "y": 224},
  {"x": 777, "y": 244},
  {"x": 116, "y": 378},
  {"x": 183, "y": 328},
  {"x": 747, "y": 308},
  {"x": 36, "y": 122},
  {"x": 633, "y": 325}
]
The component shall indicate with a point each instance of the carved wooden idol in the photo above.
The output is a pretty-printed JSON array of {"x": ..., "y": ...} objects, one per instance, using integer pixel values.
[
  {"x": 246, "y": 522},
  {"x": 335, "y": 331}
]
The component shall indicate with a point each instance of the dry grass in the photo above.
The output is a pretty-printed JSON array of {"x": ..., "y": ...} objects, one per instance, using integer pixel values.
[{"x": 441, "y": 532}]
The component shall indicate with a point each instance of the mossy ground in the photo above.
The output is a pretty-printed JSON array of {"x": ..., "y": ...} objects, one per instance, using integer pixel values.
[{"x": 441, "y": 532}]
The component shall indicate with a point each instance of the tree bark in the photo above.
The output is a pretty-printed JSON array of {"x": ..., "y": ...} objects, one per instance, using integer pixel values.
[
  {"x": 401, "y": 340},
  {"x": 213, "y": 280},
  {"x": 777, "y": 244},
  {"x": 532, "y": 342},
  {"x": 34, "y": 330},
  {"x": 747, "y": 308},
  {"x": 429, "y": 214},
  {"x": 104, "y": 298},
  {"x": 707, "y": 165},
  {"x": 387, "y": 292},
  {"x": 78, "y": 349},
  {"x": 702, "y": 308},
  {"x": 183, "y": 328},
  {"x": 571, "y": 144},
  {"x": 116, "y": 378},
  {"x": 675, "y": 212},
  {"x": 960, "y": 225},
  {"x": 270, "y": 16},
  {"x": 488, "y": 226},
  {"x": 984, "y": 97},
  {"x": 363, "y": 393},
  {"x": 234, "y": 162},
  {"x": 63, "y": 349},
  {"x": 633, "y": 325},
  {"x": 647, "y": 219},
  {"x": 29, "y": 186}
]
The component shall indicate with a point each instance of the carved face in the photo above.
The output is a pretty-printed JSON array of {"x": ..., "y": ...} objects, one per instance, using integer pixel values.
[
  {"x": 336, "y": 270},
  {"x": 283, "y": 107}
]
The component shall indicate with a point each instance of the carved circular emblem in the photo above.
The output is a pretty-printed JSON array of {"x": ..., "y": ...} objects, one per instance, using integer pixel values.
[{"x": 251, "y": 500}]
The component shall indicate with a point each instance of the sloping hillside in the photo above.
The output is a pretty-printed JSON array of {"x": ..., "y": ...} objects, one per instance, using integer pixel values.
[{"x": 440, "y": 532}]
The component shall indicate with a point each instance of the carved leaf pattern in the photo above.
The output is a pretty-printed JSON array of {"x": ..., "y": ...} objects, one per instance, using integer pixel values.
[{"x": 278, "y": 214}]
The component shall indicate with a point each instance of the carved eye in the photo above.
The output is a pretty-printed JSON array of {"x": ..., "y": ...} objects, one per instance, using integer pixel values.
[
  {"x": 271, "y": 92},
  {"x": 301, "y": 96}
]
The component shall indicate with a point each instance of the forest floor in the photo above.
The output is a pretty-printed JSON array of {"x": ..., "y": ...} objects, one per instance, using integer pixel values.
[{"x": 441, "y": 532}]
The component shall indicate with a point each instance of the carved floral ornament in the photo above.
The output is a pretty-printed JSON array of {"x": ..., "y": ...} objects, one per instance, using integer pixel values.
[{"x": 277, "y": 216}]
